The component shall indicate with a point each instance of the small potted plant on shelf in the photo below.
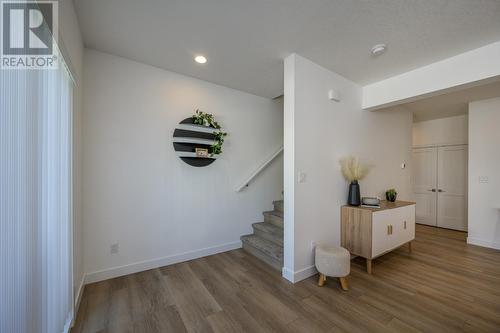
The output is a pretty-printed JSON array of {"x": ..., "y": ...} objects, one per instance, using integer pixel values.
[
  {"x": 353, "y": 171},
  {"x": 391, "y": 195}
]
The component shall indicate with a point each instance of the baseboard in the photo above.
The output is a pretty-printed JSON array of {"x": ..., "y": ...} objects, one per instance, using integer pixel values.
[
  {"x": 483, "y": 243},
  {"x": 304, "y": 273},
  {"x": 287, "y": 274},
  {"x": 159, "y": 262},
  {"x": 70, "y": 322},
  {"x": 79, "y": 295},
  {"x": 299, "y": 275}
]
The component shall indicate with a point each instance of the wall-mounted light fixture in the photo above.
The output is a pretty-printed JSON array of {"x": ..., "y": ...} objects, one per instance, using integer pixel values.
[
  {"x": 333, "y": 95},
  {"x": 378, "y": 49}
]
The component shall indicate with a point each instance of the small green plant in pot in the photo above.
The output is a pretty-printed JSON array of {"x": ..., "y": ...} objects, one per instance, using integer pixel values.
[{"x": 391, "y": 195}]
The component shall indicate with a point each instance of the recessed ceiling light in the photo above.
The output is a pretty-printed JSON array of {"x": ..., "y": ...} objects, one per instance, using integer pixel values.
[
  {"x": 378, "y": 49},
  {"x": 200, "y": 59}
]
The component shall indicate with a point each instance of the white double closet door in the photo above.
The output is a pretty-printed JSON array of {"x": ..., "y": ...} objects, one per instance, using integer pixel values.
[{"x": 440, "y": 186}]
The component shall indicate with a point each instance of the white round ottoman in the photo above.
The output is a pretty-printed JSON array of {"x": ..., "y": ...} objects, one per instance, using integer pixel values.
[{"x": 333, "y": 261}]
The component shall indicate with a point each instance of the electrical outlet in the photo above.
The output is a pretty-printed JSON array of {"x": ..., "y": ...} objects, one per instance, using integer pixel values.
[
  {"x": 484, "y": 180},
  {"x": 114, "y": 248}
]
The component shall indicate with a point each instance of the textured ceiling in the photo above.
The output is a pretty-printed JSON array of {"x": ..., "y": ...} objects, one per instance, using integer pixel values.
[{"x": 245, "y": 41}]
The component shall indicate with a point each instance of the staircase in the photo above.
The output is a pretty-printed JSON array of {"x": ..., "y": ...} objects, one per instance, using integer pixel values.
[{"x": 266, "y": 242}]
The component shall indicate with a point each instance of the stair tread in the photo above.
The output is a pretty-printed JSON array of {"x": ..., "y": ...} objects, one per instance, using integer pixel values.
[
  {"x": 269, "y": 248},
  {"x": 269, "y": 231},
  {"x": 274, "y": 212},
  {"x": 268, "y": 227}
]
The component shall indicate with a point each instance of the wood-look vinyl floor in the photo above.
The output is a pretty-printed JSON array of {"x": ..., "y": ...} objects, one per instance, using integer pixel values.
[{"x": 445, "y": 285}]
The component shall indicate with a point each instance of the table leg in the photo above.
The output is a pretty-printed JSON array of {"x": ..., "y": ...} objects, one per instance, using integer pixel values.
[
  {"x": 343, "y": 283},
  {"x": 321, "y": 280}
]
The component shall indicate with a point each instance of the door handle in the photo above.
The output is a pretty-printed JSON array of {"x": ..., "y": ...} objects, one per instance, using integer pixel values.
[
  {"x": 432, "y": 190},
  {"x": 389, "y": 229},
  {"x": 405, "y": 224},
  {"x": 440, "y": 190}
]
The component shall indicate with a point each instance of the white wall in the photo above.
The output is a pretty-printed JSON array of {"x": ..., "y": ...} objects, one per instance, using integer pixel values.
[
  {"x": 71, "y": 43},
  {"x": 318, "y": 132},
  {"x": 484, "y": 161},
  {"x": 139, "y": 194},
  {"x": 451, "y": 130}
]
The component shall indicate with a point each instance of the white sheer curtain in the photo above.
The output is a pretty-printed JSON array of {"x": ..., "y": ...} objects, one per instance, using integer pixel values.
[{"x": 35, "y": 200}]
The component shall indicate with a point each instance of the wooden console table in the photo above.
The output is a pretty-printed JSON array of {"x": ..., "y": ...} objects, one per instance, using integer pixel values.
[{"x": 371, "y": 232}]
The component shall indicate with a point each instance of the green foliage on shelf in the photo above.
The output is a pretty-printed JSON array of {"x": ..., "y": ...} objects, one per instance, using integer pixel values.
[
  {"x": 207, "y": 119},
  {"x": 219, "y": 139}
]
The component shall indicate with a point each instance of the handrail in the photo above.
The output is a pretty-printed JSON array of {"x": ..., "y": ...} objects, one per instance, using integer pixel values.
[{"x": 259, "y": 169}]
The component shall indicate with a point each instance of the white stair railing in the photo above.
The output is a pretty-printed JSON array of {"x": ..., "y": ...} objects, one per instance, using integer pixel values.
[{"x": 262, "y": 166}]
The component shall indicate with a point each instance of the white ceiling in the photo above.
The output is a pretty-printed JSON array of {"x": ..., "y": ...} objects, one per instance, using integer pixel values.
[
  {"x": 451, "y": 104},
  {"x": 245, "y": 41}
]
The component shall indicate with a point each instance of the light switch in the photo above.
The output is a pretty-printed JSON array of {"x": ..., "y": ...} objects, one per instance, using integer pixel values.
[
  {"x": 302, "y": 177},
  {"x": 114, "y": 248}
]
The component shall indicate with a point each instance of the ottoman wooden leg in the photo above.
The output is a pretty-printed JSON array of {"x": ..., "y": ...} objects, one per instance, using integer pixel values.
[
  {"x": 321, "y": 280},
  {"x": 369, "y": 266},
  {"x": 343, "y": 283}
]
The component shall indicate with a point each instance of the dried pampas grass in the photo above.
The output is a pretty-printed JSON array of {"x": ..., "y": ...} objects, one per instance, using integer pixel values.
[{"x": 352, "y": 169}]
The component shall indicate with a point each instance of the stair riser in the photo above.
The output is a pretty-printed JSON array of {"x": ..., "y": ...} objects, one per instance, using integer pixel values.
[
  {"x": 262, "y": 256},
  {"x": 274, "y": 219},
  {"x": 278, "y": 205},
  {"x": 275, "y": 238}
]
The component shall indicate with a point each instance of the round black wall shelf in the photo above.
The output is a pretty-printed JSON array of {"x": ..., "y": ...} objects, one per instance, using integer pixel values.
[{"x": 189, "y": 136}]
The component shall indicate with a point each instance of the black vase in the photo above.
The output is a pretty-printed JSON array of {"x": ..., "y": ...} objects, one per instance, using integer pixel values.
[{"x": 354, "y": 198}]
